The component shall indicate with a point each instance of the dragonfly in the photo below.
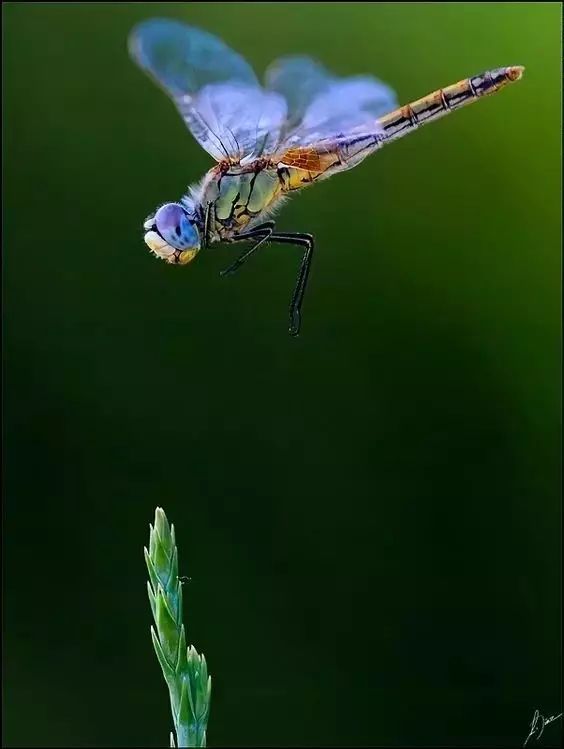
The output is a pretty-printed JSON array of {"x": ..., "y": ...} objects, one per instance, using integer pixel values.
[{"x": 270, "y": 140}]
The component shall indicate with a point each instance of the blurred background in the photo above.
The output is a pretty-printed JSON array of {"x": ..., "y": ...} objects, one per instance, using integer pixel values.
[{"x": 369, "y": 514}]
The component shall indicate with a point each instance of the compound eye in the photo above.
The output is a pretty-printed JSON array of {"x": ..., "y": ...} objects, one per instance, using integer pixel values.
[{"x": 175, "y": 228}]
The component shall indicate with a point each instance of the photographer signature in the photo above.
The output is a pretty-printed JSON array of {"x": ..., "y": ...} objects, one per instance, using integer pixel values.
[{"x": 538, "y": 724}]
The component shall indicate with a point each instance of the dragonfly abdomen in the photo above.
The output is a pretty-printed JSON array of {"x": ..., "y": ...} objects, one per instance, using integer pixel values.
[
  {"x": 300, "y": 166},
  {"x": 408, "y": 118}
]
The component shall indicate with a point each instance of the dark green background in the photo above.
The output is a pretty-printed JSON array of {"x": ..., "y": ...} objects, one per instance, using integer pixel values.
[{"x": 369, "y": 514}]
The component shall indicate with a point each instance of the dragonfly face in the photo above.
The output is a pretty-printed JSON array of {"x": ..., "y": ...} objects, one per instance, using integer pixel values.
[
  {"x": 172, "y": 235},
  {"x": 300, "y": 125}
]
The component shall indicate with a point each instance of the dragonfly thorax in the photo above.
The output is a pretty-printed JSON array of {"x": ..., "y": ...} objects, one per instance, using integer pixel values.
[{"x": 237, "y": 197}]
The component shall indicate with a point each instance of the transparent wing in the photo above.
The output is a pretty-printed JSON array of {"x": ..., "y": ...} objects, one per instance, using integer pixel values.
[
  {"x": 214, "y": 88},
  {"x": 322, "y": 106}
]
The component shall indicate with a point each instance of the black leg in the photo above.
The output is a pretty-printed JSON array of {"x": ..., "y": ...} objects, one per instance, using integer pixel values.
[
  {"x": 265, "y": 233},
  {"x": 207, "y": 225},
  {"x": 258, "y": 227},
  {"x": 306, "y": 241},
  {"x": 261, "y": 233}
]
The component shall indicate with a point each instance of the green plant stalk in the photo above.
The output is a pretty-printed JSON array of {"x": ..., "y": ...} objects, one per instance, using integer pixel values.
[{"x": 184, "y": 670}]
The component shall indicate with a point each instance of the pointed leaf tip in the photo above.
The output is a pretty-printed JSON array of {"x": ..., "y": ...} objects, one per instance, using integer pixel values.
[{"x": 162, "y": 526}]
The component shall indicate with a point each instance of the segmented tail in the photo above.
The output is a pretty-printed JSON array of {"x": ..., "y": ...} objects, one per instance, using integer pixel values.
[{"x": 404, "y": 120}]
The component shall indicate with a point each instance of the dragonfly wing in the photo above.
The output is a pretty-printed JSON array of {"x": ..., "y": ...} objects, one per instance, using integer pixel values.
[
  {"x": 214, "y": 88},
  {"x": 322, "y": 106},
  {"x": 300, "y": 80},
  {"x": 235, "y": 122}
]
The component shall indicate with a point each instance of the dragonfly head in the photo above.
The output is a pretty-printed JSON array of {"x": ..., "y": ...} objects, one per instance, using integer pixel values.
[{"x": 172, "y": 234}]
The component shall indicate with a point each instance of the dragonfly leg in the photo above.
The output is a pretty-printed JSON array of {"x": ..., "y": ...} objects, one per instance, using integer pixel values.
[
  {"x": 306, "y": 241},
  {"x": 207, "y": 225},
  {"x": 265, "y": 233},
  {"x": 261, "y": 233}
]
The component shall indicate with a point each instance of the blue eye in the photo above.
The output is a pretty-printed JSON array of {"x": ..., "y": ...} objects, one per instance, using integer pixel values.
[{"x": 175, "y": 227}]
